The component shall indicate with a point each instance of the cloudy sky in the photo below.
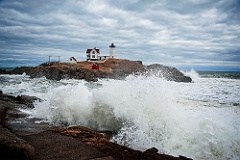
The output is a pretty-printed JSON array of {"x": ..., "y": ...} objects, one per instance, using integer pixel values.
[{"x": 198, "y": 34}]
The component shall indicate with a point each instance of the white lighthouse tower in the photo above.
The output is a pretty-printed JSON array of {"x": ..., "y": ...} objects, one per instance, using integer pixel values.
[{"x": 112, "y": 50}]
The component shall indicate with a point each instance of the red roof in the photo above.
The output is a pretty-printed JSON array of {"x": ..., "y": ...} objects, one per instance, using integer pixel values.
[{"x": 89, "y": 50}]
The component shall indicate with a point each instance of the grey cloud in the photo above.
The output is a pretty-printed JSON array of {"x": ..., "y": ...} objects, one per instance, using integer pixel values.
[{"x": 190, "y": 32}]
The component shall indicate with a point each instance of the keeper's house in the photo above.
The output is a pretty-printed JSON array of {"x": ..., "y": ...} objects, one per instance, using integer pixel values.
[{"x": 93, "y": 54}]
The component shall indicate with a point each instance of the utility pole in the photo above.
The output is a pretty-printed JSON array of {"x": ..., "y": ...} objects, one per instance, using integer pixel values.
[
  {"x": 49, "y": 60},
  {"x": 59, "y": 58}
]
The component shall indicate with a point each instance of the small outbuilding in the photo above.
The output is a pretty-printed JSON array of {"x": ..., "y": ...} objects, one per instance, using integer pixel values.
[{"x": 72, "y": 60}]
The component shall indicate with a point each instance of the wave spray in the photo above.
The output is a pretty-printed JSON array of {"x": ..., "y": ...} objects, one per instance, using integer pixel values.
[{"x": 147, "y": 112}]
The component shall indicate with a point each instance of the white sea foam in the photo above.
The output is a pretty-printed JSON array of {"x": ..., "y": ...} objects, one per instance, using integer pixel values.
[
  {"x": 197, "y": 120},
  {"x": 193, "y": 74}
]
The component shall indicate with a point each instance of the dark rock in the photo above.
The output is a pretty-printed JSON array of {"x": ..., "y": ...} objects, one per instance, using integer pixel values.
[
  {"x": 22, "y": 101},
  {"x": 3, "y": 71},
  {"x": 128, "y": 67},
  {"x": 10, "y": 105},
  {"x": 184, "y": 158},
  {"x": 27, "y": 100},
  {"x": 235, "y": 104},
  {"x": 52, "y": 145},
  {"x": 12, "y": 147},
  {"x": 7, "y": 101},
  {"x": 3, "y": 114},
  {"x": 21, "y": 70},
  {"x": 170, "y": 73},
  {"x": 116, "y": 151},
  {"x": 151, "y": 151}
]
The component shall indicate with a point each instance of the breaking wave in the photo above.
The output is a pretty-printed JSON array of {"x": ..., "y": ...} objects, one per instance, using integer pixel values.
[{"x": 149, "y": 112}]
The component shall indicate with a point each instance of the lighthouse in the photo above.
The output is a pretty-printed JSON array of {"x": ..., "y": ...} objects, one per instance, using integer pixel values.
[{"x": 112, "y": 50}]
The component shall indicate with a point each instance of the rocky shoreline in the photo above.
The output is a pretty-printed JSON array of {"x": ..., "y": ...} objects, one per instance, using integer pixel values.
[
  {"x": 112, "y": 68},
  {"x": 30, "y": 140}
]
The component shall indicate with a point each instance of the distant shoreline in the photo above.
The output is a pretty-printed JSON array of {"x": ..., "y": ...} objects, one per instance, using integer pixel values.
[{"x": 8, "y": 68}]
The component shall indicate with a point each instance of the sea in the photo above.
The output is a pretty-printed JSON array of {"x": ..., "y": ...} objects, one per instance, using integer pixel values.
[{"x": 199, "y": 120}]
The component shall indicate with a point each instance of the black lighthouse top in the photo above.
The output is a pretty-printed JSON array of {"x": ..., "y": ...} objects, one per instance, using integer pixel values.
[{"x": 112, "y": 46}]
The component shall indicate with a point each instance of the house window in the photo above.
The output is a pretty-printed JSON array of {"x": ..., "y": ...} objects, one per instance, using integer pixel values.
[{"x": 93, "y": 54}]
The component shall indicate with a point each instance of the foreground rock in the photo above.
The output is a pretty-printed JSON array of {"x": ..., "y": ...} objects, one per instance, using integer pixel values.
[
  {"x": 13, "y": 147},
  {"x": 116, "y": 151},
  {"x": 52, "y": 145},
  {"x": 10, "y": 105},
  {"x": 77, "y": 143},
  {"x": 112, "y": 68}
]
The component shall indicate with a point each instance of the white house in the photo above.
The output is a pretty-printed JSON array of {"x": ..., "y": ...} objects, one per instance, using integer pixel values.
[
  {"x": 93, "y": 54},
  {"x": 72, "y": 60}
]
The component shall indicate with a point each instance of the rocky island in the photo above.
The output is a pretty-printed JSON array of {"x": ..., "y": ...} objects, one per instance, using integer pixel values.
[{"x": 110, "y": 68}]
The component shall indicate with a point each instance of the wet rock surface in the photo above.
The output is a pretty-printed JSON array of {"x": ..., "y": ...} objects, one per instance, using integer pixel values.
[
  {"x": 22, "y": 138},
  {"x": 13, "y": 147},
  {"x": 52, "y": 145},
  {"x": 118, "y": 152},
  {"x": 112, "y": 68}
]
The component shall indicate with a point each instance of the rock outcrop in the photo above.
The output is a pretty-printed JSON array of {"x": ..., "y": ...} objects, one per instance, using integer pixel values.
[
  {"x": 11, "y": 146},
  {"x": 170, "y": 73},
  {"x": 119, "y": 152},
  {"x": 23, "y": 101},
  {"x": 2, "y": 71},
  {"x": 112, "y": 68}
]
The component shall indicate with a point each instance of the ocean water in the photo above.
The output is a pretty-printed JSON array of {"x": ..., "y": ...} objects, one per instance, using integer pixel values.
[{"x": 200, "y": 120}]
